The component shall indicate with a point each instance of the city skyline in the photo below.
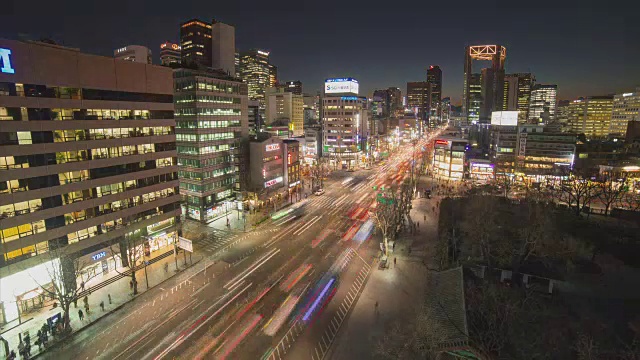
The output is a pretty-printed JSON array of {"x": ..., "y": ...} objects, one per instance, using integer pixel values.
[{"x": 576, "y": 31}]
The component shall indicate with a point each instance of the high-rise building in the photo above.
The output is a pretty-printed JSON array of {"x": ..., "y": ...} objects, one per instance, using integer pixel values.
[
  {"x": 418, "y": 98},
  {"x": 285, "y": 108},
  {"x": 475, "y": 99},
  {"x": 195, "y": 41},
  {"x": 255, "y": 119},
  {"x": 446, "y": 110},
  {"x": 169, "y": 53},
  {"x": 492, "y": 80},
  {"x": 87, "y": 164},
  {"x": 591, "y": 116},
  {"x": 257, "y": 73},
  {"x": 395, "y": 101},
  {"x": 273, "y": 75},
  {"x": 293, "y": 87},
  {"x": 543, "y": 97},
  {"x": 223, "y": 47},
  {"x": 380, "y": 103},
  {"x": 626, "y": 107},
  {"x": 135, "y": 53},
  {"x": 510, "y": 102},
  {"x": 211, "y": 122},
  {"x": 345, "y": 122},
  {"x": 434, "y": 78}
]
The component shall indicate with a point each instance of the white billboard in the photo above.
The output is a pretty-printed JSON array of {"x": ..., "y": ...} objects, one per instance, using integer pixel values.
[
  {"x": 509, "y": 118},
  {"x": 340, "y": 86}
]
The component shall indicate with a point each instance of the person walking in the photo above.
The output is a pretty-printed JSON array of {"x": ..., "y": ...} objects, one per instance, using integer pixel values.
[
  {"x": 166, "y": 268},
  {"x": 109, "y": 296},
  {"x": 102, "y": 305},
  {"x": 82, "y": 286},
  {"x": 86, "y": 308},
  {"x": 80, "y": 314},
  {"x": 394, "y": 262}
]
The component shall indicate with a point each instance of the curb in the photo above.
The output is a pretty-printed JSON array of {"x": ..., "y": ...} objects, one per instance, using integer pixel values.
[{"x": 61, "y": 341}]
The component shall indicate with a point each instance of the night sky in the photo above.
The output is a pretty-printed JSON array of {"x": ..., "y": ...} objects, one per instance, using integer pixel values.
[{"x": 585, "y": 47}]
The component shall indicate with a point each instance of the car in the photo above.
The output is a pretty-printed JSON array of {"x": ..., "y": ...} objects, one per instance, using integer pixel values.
[{"x": 319, "y": 192}]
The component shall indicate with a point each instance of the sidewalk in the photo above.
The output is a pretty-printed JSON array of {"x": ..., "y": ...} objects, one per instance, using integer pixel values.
[
  {"x": 397, "y": 290},
  {"x": 96, "y": 292}
]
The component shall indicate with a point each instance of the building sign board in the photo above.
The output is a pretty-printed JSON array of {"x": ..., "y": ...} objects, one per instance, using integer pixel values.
[
  {"x": 273, "y": 182},
  {"x": 99, "y": 256},
  {"x": 185, "y": 244},
  {"x": 272, "y": 147},
  {"x": 341, "y": 85},
  {"x": 5, "y": 61}
]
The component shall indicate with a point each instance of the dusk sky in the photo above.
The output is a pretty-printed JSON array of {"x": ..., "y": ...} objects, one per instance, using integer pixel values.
[{"x": 583, "y": 48}]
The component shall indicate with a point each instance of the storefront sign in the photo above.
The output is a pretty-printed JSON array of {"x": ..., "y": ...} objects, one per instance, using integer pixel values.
[
  {"x": 294, "y": 184},
  {"x": 185, "y": 244},
  {"x": 272, "y": 147},
  {"x": 5, "y": 59},
  {"x": 273, "y": 182},
  {"x": 99, "y": 256}
]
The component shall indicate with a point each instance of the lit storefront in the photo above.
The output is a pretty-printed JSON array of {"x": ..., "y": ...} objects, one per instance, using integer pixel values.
[
  {"x": 448, "y": 158},
  {"x": 481, "y": 170}
]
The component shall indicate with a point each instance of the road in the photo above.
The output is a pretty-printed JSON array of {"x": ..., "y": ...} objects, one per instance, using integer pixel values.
[{"x": 281, "y": 291}]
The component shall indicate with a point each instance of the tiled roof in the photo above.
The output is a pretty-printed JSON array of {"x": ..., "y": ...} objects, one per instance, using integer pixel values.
[{"x": 445, "y": 300}]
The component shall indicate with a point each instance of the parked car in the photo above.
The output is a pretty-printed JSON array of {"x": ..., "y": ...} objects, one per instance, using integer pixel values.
[{"x": 319, "y": 192}]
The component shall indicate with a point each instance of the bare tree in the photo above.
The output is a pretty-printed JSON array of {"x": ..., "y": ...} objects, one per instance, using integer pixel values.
[
  {"x": 387, "y": 216},
  {"x": 631, "y": 201},
  {"x": 417, "y": 337},
  {"x": 480, "y": 229},
  {"x": 610, "y": 192},
  {"x": 131, "y": 252},
  {"x": 577, "y": 192},
  {"x": 64, "y": 269},
  {"x": 505, "y": 183},
  {"x": 319, "y": 170}
]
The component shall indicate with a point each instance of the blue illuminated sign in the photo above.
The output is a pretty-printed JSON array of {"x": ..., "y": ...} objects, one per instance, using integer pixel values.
[
  {"x": 349, "y": 98},
  {"x": 341, "y": 80},
  {"x": 99, "y": 256},
  {"x": 6, "y": 61}
]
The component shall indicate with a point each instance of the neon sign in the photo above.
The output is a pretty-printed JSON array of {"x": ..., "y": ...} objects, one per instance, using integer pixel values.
[
  {"x": 6, "y": 61},
  {"x": 272, "y": 147},
  {"x": 442, "y": 142},
  {"x": 99, "y": 256},
  {"x": 273, "y": 182}
]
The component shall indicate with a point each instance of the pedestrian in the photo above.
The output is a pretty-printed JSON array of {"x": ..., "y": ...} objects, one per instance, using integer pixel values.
[
  {"x": 394, "y": 262},
  {"x": 228, "y": 225},
  {"x": 131, "y": 284},
  {"x": 376, "y": 308},
  {"x": 12, "y": 355},
  {"x": 86, "y": 308},
  {"x": 166, "y": 268},
  {"x": 80, "y": 314},
  {"x": 102, "y": 305},
  {"x": 82, "y": 286},
  {"x": 393, "y": 246},
  {"x": 21, "y": 349},
  {"x": 86, "y": 299},
  {"x": 109, "y": 296},
  {"x": 425, "y": 218},
  {"x": 418, "y": 224}
]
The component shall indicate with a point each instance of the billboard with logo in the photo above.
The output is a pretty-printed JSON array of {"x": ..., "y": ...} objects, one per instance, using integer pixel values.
[
  {"x": 509, "y": 118},
  {"x": 341, "y": 86}
]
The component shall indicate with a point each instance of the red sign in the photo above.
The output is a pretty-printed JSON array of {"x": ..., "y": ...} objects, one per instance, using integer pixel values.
[{"x": 442, "y": 142}]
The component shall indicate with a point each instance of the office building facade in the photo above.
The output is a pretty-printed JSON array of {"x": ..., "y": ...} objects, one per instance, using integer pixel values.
[
  {"x": 543, "y": 98},
  {"x": 223, "y": 47},
  {"x": 293, "y": 87},
  {"x": 345, "y": 125},
  {"x": 211, "y": 123},
  {"x": 87, "y": 159},
  {"x": 285, "y": 108},
  {"x": 169, "y": 53},
  {"x": 434, "y": 111},
  {"x": 135, "y": 53},
  {"x": 591, "y": 116},
  {"x": 626, "y": 108},
  {"x": 491, "y": 79},
  {"x": 256, "y": 71},
  {"x": 418, "y": 98},
  {"x": 195, "y": 42}
]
